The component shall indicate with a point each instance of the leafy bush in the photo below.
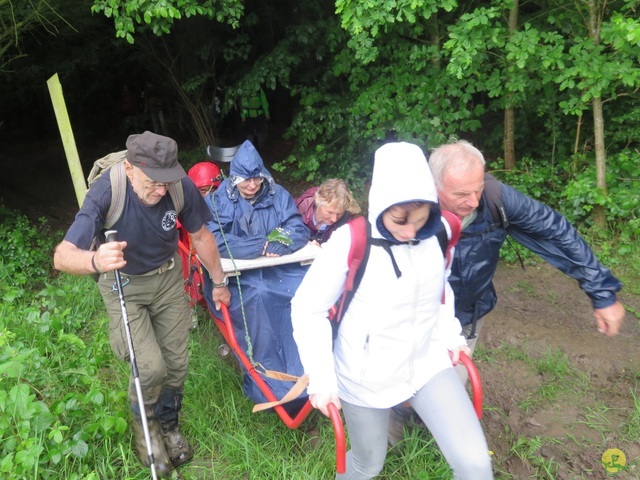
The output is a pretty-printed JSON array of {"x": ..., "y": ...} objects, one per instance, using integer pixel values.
[
  {"x": 621, "y": 201},
  {"x": 55, "y": 406},
  {"x": 25, "y": 250},
  {"x": 569, "y": 186}
]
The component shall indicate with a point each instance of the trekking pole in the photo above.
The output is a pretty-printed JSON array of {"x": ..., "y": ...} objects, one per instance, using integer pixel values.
[{"x": 111, "y": 237}]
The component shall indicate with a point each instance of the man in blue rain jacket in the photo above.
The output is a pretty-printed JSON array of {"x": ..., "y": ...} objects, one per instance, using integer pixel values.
[{"x": 464, "y": 189}]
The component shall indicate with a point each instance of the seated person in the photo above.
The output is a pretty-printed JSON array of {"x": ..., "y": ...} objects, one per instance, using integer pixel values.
[
  {"x": 206, "y": 176},
  {"x": 246, "y": 208},
  {"x": 326, "y": 207}
]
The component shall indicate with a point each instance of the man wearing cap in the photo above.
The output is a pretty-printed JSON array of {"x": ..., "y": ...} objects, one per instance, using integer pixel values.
[{"x": 146, "y": 256}]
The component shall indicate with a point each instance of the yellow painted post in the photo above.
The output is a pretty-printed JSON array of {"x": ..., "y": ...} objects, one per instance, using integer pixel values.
[{"x": 68, "y": 141}]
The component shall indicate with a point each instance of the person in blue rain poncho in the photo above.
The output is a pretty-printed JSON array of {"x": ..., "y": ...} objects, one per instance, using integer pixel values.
[{"x": 247, "y": 207}]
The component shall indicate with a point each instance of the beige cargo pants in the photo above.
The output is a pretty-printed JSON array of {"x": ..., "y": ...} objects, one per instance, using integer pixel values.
[{"x": 159, "y": 320}]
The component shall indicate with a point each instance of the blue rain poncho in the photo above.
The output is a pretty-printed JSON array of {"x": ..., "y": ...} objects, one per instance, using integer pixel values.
[{"x": 241, "y": 228}]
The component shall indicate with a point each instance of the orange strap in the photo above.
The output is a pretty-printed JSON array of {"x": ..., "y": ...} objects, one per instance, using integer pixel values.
[{"x": 292, "y": 394}]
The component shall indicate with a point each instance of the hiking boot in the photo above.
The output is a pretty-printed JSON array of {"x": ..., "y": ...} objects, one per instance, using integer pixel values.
[
  {"x": 160, "y": 457},
  {"x": 177, "y": 446}
]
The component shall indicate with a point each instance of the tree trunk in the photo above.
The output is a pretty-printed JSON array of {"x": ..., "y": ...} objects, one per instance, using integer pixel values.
[
  {"x": 509, "y": 112},
  {"x": 509, "y": 139},
  {"x": 599, "y": 217}
]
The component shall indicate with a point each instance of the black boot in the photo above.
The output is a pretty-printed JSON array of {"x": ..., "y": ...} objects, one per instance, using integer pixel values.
[
  {"x": 160, "y": 457},
  {"x": 177, "y": 446}
]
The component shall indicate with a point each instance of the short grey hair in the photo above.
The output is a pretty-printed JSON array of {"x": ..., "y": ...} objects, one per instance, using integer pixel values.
[{"x": 459, "y": 153}]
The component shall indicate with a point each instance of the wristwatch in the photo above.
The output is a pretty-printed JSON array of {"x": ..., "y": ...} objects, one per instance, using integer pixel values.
[{"x": 224, "y": 283}]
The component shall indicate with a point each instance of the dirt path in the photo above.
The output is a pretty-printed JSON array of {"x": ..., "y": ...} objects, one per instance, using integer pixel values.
[{"x": 558, "y": 394}]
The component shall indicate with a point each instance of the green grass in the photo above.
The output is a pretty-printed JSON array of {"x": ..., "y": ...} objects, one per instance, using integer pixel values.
[
  {"x": 64, "y": 410},
  {"x": 631, "y": 428}
]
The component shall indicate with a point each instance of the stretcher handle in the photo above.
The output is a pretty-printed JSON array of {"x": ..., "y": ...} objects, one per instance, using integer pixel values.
[
  {"x": 476, "y": 384},
  {"x": 338, "y": 430}
]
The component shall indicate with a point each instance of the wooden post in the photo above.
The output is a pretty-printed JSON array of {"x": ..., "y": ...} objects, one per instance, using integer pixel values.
[{"x": 68, "y": 141}]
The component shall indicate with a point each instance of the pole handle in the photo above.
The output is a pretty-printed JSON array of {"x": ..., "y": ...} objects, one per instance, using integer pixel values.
[{"x": 110, "y": 235}]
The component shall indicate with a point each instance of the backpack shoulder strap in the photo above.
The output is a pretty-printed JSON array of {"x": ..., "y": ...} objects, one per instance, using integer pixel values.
[
  {"x": 118, "y": 178},
  {"x": 358, "y": 255},
  {"x": 449, "y": 235},
  {"x": 177, "y": 196},
  {"x": 448, "y": 238},
  {"x": 493, "y": 199}
]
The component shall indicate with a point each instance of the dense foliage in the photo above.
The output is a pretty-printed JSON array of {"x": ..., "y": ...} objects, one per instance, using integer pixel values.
[
  {"x": 55, "y": 406},
  {"x": 547, "y": 87}
]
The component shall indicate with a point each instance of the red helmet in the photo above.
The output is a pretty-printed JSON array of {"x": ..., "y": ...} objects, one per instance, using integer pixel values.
[{"x": 205, "y": 174}]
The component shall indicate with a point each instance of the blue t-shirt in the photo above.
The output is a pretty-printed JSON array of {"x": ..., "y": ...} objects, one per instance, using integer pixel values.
[{"x": 150, "y": 231}]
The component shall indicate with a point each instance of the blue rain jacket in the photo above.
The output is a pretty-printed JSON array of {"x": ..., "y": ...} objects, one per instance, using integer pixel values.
[
  {"x": 246, "y": 224},
  {"x": 241, "y": 229},
  {"x": 540, "y": 229}
]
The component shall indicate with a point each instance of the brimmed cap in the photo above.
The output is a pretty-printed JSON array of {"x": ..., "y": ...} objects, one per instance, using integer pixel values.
[{"x": 156, "y": 156}]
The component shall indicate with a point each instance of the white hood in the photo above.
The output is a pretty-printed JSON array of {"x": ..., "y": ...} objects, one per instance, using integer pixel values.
[{"x": 400, "y": 174}]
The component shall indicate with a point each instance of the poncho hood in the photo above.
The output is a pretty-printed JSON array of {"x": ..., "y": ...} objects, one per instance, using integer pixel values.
[{"x": 247, "y": 163}]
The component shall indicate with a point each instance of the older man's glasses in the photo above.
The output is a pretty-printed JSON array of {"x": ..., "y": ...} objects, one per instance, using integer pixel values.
[{"x": 155, "y": 185}]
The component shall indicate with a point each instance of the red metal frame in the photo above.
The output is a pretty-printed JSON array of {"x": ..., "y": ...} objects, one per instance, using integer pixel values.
[
  {"x": 226, "y": 329},
  {"x": 476, "y": 384}
]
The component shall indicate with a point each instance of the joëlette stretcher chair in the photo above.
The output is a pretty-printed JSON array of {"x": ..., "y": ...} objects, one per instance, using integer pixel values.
[
  {"x": 193, "y": 272},
  {"x": 193, "y": 283}
]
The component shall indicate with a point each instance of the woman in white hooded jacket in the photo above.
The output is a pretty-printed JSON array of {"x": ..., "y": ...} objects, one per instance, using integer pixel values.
[{"x": 398, "y": 340}]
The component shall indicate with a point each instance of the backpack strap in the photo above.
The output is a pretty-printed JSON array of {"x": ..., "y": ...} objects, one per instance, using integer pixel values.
[
  {"x": 448, "y": 238},
  {"x": 493, "y": 199},
  {"x": 453, "y": 236},
  {"x": 358, "y": 255},
  {"x": 118, "y": 178},
  {"x": 360, "y": 248},
  {"x": 177, "y": 196}
]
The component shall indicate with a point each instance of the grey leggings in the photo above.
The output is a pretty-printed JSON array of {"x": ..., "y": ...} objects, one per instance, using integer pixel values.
[{"x": 444, "y": 406}]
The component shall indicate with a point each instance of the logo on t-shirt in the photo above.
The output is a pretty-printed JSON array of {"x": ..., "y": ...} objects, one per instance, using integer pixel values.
[{"x": 169, "y": 220}]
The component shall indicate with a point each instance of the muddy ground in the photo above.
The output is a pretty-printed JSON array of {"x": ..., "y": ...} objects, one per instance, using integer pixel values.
[
  {"x": 557, "y": 393},
  {"x": 550, "y": 376}
]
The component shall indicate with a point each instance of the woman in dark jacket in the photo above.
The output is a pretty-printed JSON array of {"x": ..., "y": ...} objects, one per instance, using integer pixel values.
[{"x": 326, "y": 207}]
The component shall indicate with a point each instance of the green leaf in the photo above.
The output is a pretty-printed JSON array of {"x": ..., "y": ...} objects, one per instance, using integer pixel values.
[
  {"x": 7, "y": 463},
  {"x": 79, "y": 449},
  {"x": 280, "y": 235}
]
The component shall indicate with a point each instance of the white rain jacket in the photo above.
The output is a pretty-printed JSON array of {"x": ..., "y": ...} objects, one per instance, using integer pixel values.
[{"x": 395, "y": 335}]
